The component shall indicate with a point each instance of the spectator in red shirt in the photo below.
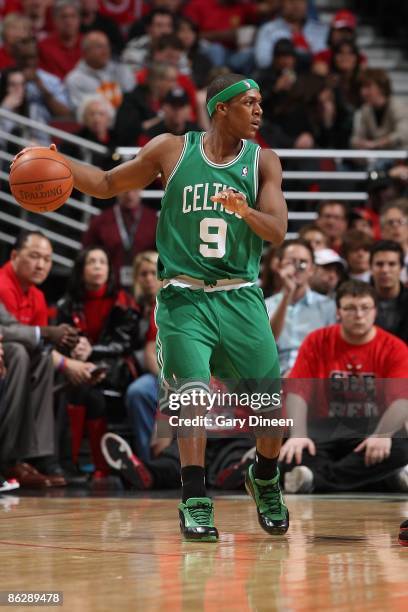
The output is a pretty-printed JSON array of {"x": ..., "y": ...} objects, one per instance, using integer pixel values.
[
  {"x": 343, "y": 29},
  {"x": 61, "y": 51},
  {"x": 108, "y": 320},
  {"x": 30, "y": 370},
  {"x": 122, "y": 12},
  {"x": 29, "y": 266},
  {"x": 127, "y": 228},
  {"x": 349, "y": 361},
  {"x": 15, "y": 28}
]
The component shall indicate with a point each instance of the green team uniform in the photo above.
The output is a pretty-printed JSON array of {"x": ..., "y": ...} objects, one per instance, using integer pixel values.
[{"x": 204, "y": 323}]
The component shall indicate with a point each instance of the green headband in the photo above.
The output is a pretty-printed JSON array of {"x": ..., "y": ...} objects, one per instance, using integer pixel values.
[{"x": 230, "y": 92}]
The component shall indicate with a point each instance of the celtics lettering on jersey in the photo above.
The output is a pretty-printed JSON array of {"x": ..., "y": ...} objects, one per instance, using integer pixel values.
[{"x": 200, "y": 238}]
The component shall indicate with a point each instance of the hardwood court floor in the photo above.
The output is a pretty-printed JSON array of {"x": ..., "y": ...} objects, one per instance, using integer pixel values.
[{"x": 126, "y": 554}]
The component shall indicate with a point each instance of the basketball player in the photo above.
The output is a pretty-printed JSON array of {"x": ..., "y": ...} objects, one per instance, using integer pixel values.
[{"x": 222, "y": 199}]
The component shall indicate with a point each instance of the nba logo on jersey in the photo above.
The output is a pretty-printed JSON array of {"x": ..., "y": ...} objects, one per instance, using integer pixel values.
[{"x": 244, "y": 171}]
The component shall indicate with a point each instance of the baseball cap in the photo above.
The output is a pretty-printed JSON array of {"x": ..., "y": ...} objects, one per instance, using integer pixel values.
[
  {"x": 324, "y": 257},
  {"x": 284, "y": 46},
  {"x": 344, "y": 19},
  {"x": 177, "y": 97}
]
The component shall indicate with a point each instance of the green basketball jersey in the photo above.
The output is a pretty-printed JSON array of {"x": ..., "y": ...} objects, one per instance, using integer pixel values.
[{"x": 197, "y": 237}]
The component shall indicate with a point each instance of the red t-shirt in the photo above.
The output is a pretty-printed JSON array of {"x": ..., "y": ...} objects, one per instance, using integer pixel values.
[
  {"x": 351, "y": 376},
  {"x": 123, "y": 12},
  {"x": 56, "y": 58},
  {"x": 29, "y": 308},
  {"x": 152, "y": 329},
  {"x": 211, "y": 15},
  {"x": 5, "y": 59}
]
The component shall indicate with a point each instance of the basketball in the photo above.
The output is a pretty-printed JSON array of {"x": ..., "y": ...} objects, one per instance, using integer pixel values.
[{"x": 41, "y": 180}]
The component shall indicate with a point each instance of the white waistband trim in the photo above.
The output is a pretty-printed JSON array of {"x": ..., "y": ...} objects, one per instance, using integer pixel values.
[{"x": 187, "y": 282}]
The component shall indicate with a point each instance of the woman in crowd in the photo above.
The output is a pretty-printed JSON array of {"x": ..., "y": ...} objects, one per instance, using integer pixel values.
[
  {"x": 108, "y": 321},
  {"x": 142, "y": 394},
  {"x": 344, "y": 74}
]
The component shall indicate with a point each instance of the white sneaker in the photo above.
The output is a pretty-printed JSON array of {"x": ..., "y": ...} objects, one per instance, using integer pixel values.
[
  {"x": 299, "y": 480},
  {"x": 402, "y": 479}
]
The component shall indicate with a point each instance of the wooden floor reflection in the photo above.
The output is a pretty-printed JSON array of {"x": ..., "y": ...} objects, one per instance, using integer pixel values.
[{"x": 126, "y": 554}]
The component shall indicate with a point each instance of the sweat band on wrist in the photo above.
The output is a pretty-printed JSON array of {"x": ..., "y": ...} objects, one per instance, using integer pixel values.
[{"x": 230, "y": 92}]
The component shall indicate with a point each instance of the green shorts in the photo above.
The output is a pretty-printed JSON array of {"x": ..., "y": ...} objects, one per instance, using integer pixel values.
[{"x": 224, "y": 333}]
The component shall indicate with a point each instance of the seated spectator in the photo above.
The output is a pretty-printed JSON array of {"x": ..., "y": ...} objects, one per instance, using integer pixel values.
[
  {"x": 108, "y": 322},
  {"x": 13, "y": 97},
  {"x": 139, "y": 26},
  {"x": 394, "y": 226},
  {"x": 387, "y": 258},
  {"x": 329, "y": 272},
  {"x": 140, "y": 106},
  {"x": 95, "y": 114},
  {"x": 127, "y": 228},
  {"x": 356, "y": 251},
  {"x": 29, "y": 266},
  {"x": 270, "y": 280},
  {"x": 176, "y": 113},
  {"x": 159, "y": 21},
  {"x": 40, "y": 15},
  {"x": 92, "y": 19},
  {"x": 145, "y": 285},
  {"x": 28, "y": 397},
  {"x": 343, "y": 29},
  {"x": 96, "y": 72},
  {"x": 199, "y": 62},
  {"x": 220, "y": 24},
  {"x": 143, "y": 393},
  {"x": 168, "y": 50},
  {"x": 382, "y": 121},
  {"x": 345, "y": 73},
  {"x": 333, "y": 219},
  {"x": 278, "y": 78},
  {"x": 361, "y": 220},
  {"x": 329, "y": 449},
  {"x": 315, "y": 236},
  {"x": 15, "y": 27},
  {"x": 61, "y": 51},
  {"x": 308, "y": 36},
  {"x": 331, "y": 121},
  {"x": 46, "y": 93},
  {"x": 296, "y": 310}
]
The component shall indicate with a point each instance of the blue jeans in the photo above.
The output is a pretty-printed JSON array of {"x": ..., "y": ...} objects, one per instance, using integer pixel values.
[{"x": 141, "y": 402}]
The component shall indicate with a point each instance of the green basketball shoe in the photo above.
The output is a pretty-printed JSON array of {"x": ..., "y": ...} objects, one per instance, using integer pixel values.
[
  {"x": 273, "y": 515},
  {"x": 197, "y": 520}
]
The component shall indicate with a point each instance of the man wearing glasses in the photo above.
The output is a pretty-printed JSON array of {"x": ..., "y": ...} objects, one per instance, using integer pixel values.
[
  {"x": 394, "y": 226},
  {"x": 345, "y": 377},
  {"x": 297, "y": 310}
]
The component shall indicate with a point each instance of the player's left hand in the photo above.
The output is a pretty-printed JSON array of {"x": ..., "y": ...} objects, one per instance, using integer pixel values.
[
  {"x": 376, "y": 449},
  {"x": 232, "y": 200}
]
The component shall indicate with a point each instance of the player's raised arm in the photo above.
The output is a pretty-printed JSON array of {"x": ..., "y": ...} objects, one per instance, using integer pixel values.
[
  {"x": 134, "y": 174},
  {"x": 270, "y": 219}
]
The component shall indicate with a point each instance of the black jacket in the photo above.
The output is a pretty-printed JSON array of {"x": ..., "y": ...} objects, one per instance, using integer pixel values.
[{"x": 119, "y": 338}]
